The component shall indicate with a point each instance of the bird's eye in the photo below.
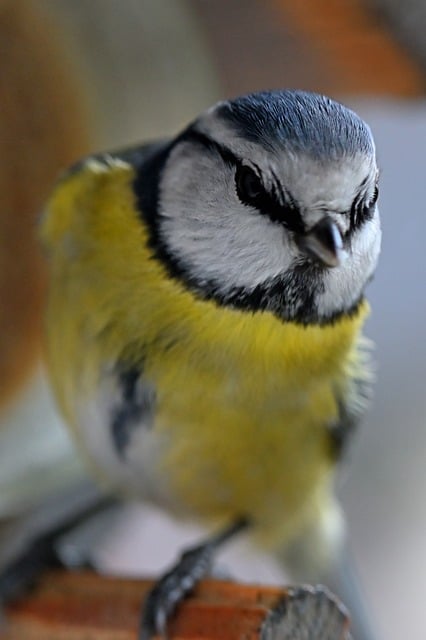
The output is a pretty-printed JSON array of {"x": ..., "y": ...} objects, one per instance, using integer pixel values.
[
  {"x": 368, "y": 209},
  {"x": 362, "y": 212},
  {"x": 251, "y": 191},
  {"x": 375, "y": 196},
  {"x": 249, "y": 186}
]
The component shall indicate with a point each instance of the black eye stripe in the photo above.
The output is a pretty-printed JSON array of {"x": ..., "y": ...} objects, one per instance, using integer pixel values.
[
  {"x": 278, "y": 205},
  {"x": 361, "y": 211},
  {"x": 252, "y": 192}
]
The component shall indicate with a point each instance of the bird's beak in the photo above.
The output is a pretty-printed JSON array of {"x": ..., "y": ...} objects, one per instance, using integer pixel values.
[{"x": 324, "y": 243}]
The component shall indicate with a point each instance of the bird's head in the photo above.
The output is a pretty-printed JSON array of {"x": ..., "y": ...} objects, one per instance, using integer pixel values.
[{"x": 268, "y": 202}]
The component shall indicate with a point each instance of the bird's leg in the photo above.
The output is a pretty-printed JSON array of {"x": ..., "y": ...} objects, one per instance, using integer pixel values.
[{"x": 175, "y": 585}]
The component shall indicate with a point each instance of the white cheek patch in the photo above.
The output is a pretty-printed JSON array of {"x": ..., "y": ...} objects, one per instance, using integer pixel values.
[{"x": 208, "y": 229}]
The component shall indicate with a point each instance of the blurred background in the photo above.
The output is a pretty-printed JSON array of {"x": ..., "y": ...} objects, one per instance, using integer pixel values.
[{"x": 84, "y": 75}]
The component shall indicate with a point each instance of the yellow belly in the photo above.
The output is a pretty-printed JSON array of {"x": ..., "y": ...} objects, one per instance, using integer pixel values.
[{"x": 246, "y": 422}]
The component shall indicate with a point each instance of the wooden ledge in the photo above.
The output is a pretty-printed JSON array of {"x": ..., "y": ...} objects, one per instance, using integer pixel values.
[{"x": 86, "y": 606}]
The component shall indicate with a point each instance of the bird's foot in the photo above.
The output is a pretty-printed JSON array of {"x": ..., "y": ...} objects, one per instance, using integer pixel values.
[
  {"x": 193, "y": 565},
  {"x": 172, "y": 588}
]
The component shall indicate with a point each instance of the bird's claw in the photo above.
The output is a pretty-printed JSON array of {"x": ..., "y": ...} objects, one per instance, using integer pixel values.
[{"x": 172, "y": 588}]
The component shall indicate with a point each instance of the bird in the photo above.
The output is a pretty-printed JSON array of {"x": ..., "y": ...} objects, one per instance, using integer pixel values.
[{"x": 204, "y": 328}]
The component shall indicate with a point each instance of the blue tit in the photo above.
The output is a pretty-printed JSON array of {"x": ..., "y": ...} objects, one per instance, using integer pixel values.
[{"x": 204, "y": 322}]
